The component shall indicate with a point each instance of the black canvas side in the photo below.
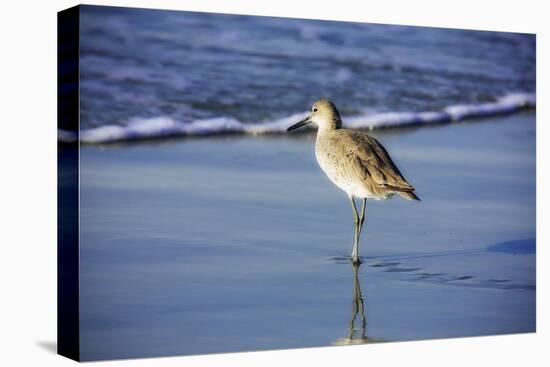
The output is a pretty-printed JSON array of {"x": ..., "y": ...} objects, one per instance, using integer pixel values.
[{"x": 68, "y": 341}]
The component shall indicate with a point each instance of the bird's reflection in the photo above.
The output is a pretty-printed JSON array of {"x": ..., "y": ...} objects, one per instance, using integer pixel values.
[{"x": 357, "y": 326}]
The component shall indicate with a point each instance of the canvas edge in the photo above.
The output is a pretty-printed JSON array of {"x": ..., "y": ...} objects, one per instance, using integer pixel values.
[{"x": 68, "y": 322}]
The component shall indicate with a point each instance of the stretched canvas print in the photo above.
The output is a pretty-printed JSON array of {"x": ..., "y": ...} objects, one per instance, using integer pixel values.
[{"x": 235, "y": 183}]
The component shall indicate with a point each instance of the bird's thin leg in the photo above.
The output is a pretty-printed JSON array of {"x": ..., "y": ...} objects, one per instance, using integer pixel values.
[
  {"x": 361, "y": 218},
  {"x": 356, "y": 221}
]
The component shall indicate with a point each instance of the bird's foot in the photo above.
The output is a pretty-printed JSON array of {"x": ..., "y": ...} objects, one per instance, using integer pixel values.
[{"x": 355, "y": 260}]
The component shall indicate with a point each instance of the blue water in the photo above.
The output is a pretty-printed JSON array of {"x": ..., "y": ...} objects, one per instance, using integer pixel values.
[
  {"x": 160, "y": 72},
  {"x": 237, "y": 243}
]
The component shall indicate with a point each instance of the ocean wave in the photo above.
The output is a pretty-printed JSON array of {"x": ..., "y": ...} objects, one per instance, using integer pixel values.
[{"x": 161, "y": 127}]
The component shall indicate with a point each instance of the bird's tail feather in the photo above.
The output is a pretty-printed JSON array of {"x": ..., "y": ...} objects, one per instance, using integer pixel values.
[
  {"x": 408, "y": 195},
  {"x": 405, "y": 191}
]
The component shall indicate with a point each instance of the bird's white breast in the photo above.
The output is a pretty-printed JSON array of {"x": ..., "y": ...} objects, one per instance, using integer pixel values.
[{"x": 339, "y": 171}]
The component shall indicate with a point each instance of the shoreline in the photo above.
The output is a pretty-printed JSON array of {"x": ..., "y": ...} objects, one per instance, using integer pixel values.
[{"x": 140, "y": 129}]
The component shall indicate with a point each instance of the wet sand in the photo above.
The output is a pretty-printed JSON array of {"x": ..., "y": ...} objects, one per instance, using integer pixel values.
[{"x": 238, "y": 243}]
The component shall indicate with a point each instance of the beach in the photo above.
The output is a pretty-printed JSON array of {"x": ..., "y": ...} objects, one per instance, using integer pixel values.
[
  {"x": 204, "y": 227},
  {"x": 239, "y": 243}
]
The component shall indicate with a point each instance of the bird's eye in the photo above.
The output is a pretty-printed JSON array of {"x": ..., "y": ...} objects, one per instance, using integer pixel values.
[{"x": 314, "y": 109}]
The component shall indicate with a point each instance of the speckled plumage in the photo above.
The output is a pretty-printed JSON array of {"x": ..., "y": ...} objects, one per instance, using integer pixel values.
[
  {"x": 358, "y": 164},
  {"x": 353, "y": 160}
]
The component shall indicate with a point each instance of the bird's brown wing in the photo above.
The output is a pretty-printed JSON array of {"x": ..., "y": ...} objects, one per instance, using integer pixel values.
[{"x": 373, "y": 163}]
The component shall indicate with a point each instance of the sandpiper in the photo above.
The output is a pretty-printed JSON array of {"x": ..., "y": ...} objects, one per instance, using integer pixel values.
[{"x": 355, "y": 162}]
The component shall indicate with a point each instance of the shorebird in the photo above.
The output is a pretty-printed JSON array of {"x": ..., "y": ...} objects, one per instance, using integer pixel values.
[{"x": 355, "y": 162}]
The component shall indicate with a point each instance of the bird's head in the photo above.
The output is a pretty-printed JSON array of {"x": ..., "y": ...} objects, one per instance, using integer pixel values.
[{"x": 323, "y": 114}]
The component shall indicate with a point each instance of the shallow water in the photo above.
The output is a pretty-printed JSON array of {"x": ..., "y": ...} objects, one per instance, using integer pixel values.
[{"x": 238, "y": 243}]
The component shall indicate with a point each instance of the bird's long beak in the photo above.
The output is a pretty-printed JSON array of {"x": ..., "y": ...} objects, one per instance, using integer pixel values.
[{"x": 299, "y": 124}]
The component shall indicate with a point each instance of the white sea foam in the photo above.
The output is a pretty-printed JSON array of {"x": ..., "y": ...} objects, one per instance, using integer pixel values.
[
  {"x": 158, "y": 127},
  {"x": 507, "y": 104}
]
